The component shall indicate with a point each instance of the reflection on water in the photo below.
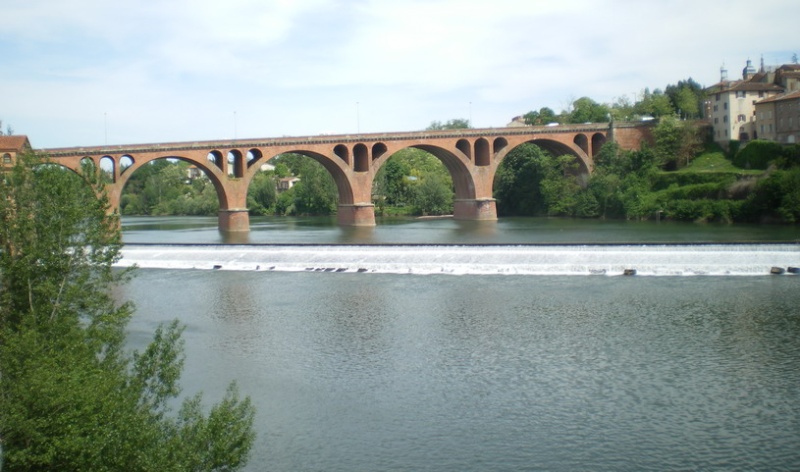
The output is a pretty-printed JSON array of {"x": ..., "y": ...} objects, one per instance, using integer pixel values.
[
  {"x": 324, "y": 230},
  {"x": 479, "y": 373}
]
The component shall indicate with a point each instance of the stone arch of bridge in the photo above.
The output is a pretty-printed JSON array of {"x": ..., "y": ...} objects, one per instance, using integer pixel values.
[
  {"x": 334, "y": 166},
  {"x": 454, "y": 161},
  {"x": 211, "y": 171},
  {"x": 555, "y": 148},
  {"x": 598, "y": 140}
]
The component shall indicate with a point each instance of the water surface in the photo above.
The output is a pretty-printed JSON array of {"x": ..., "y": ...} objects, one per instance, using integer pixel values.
[
  {"x": 324, "y": 230},
  {"x": 371, "y": 371}
]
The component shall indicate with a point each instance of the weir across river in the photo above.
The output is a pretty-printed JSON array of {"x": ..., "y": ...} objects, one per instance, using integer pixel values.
[{"x": 472, "y": 157}]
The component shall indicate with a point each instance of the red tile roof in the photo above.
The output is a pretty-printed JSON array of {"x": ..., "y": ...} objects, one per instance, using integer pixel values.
[
  {"x": 14, "y": 143},
  {"x": 781, "y": 97}
]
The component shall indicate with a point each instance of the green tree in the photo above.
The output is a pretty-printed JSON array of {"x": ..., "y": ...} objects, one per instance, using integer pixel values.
[
  {"x": 71, "y": 397},
  {"x": 686, "y": 97},
  {"x": 457, "y": 123},
  {"x": 542, "y": 117},
  {"x": 654, "y": 104},
  {"x": 262, "y": 194},
  {"x": 432, "y": 195},
  {"x": 517, "y": 183},
  {"x": 559, "y": 187},
  {"x": 585, "y": 110},
  {"x": 622, "y": 109},
  {"x": 391, "y": 182},
  {"x": 676, "y": 142},
  {"x": 315, "y": 193}
]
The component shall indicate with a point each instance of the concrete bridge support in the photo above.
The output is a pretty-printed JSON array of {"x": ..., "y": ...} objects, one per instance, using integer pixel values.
[
  {"x": 478, "y": 209},
  {"x": 234, "y": 220},
  {"x": 356, "y": 214}
]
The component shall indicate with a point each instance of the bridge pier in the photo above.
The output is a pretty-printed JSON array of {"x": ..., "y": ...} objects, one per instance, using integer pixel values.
[
  {"x": 234, "y": 220},
  {"x": 475, "y": 209},
  {"x": 356, "y": 214}
]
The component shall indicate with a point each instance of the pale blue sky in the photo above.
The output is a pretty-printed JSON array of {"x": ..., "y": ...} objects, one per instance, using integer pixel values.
[{"x": 91, "y": 72}]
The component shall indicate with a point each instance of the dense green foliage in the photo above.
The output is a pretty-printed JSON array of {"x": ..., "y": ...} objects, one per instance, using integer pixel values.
[
  {"x": 163, "y": 187},
  {"x": 456, "y": 123},
  {"x": 71, "y": 397},
  {"x": 413, "y": 182},
  {"x": 760, "y": 154},
  {"x": 643, "y": 184},
  {"x": 314, "y": 194},
  {"x": 684, "y": 99}
]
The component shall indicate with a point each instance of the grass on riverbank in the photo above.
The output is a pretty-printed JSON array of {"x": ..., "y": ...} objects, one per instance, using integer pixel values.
[{"x": 715, "y": 162}]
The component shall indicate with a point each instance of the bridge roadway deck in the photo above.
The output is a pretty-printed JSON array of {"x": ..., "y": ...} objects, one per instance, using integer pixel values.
[{"x": 333, "y": 139}]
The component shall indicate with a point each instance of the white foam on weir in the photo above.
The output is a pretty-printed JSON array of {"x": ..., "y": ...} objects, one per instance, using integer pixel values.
[{"x": 654, "y": 260}]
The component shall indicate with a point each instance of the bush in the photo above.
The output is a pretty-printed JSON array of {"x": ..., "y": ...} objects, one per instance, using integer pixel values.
[
  {"x": 664, "y": 180},
  {"x": 758, "y": 154}
]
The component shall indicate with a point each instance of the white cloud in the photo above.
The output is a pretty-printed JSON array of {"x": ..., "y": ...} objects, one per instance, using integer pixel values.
[{"x": 178, "y": 69}]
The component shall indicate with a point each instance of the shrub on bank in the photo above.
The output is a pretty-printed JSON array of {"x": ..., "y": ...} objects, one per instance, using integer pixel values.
[{"x": 758, "y": 154}]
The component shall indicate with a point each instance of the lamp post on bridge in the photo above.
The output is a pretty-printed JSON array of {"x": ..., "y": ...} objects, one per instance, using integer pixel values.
[{"x": 358, "y": 118}]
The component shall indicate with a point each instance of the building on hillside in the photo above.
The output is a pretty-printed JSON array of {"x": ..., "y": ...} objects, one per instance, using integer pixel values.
[
  {"x": 778, "y": 118},
  {"x": 11, "y": 146},
  {"x": 286, "y": 183},
  {"x": 732, "y": 103},
  {"x": 194, "y": 172},
  {"x": 788, "y": 77},
  {"x": 516, "y": 122}
]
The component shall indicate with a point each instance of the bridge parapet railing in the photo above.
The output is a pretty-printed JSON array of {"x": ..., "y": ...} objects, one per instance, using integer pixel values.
[{"x": 300, "y": 141}]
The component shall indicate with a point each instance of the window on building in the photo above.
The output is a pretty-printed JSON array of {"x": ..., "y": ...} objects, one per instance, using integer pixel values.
[
  {"x": 716, "y": 120},
  {"x": 716, "y": 98},
  {"x": 726, "y": 133},
  {"x": 740, "y": 94},
  {"x": 762, "y": 129},
  {"x": 760, "y": 94},
  {"x": 725, "y": 119},
  {"x": 741, "y": 118},
  {"x": 725, "y": 106},
  {"x": 716, "y": 107},
  {"x": 6, "y": 158}
]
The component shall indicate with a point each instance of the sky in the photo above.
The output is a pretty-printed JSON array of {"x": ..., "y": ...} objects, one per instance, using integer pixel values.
[{"x": 97, "y": 72}]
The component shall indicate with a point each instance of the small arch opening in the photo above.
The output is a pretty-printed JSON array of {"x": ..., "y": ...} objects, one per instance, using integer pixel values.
[
  {"x": 499, "y": 145},
  {"x": 378, "y": 150},
  {"x": 463, "y": 146},
  {"x": 236, "y": 160},
  {"x": 582, "y": 142},
  {"x": 215, "y": 157},
  {"x": 125, "y": 162},
  {"x": 88, "y": 166},
  {"x": 343, "y": 153},
  {"x": 253, "y": 156},
  {"x": 482, "y": 154},
  {"x": 361, "y": 157},
  {"x": 598, "y": 140},
  {"x": 107, "y": 169}
]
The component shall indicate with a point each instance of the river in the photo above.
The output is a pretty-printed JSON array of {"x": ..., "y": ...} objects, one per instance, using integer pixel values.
[{"x": 355, "y": 371}]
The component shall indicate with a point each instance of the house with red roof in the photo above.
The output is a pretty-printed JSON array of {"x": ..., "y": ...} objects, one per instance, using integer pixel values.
[{"x": 10, "y": 147}]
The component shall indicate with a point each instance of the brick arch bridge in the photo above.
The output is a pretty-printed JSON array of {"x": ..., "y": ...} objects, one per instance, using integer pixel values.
[{"x": 472, "y": 157}]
